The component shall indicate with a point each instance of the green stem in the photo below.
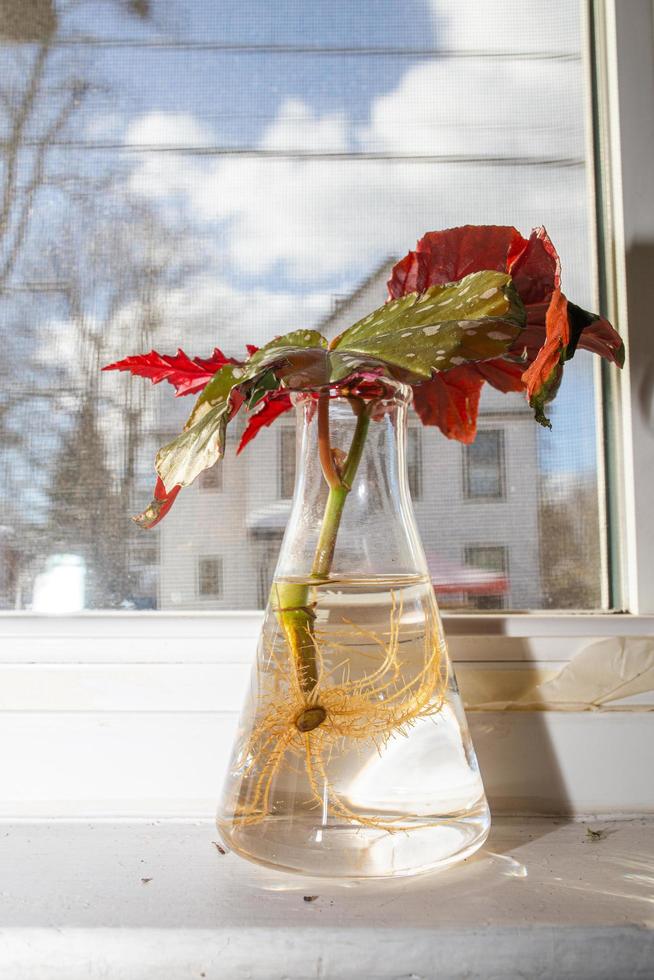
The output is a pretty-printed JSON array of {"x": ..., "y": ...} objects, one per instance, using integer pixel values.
[
  {"x": 331, "y": 521},
  {"x": 292, "y": 600}
]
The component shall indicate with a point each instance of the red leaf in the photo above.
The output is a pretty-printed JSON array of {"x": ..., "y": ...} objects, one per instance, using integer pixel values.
[
  {"x": 447, "y": 256},
  {"x": 187, "y": 375},
  {"x": 554, "y": 328},
  {"x": 542, "y": 377},
  {"x": 503, "y": 375},
  {"x": 251, "y": 349},
  {"x": 535, "y": 270},
  {"x": 159, "y": 507},
  {"x": 529, "y": 342},
  {"x": 450, "y": 400},
  {"x": 409, "y": 275},
  {"x": 602, "y": 339},
  {"x": 271, "y": 407}
]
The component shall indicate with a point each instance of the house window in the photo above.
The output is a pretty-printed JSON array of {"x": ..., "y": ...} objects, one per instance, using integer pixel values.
[
  {"x": 414, "y": 461},
  {"x": 211, "y": 480},
  {"x": 146, "y": 555},
  {"x": 490, "y": 588},
  {"x": 483, "y": 466},
  {"x": 210, "y": 577},
  {"x": 286, "y": 462}
]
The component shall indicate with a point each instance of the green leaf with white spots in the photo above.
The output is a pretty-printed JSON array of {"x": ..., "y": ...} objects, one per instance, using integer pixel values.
[
  {"x": 216, "y": 393},
  {"x": 197, "y": 448},
  {"x": 298, "y": 359},
  {"x": 202, "y": 443},
  {"x": 281, "y": 348},
  {"x": 260, "y": 388},
  {"x": 474, "y": 319}
]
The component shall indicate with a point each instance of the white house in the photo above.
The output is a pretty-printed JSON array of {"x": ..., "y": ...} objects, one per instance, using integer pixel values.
[{"x": 476, "y": 506}]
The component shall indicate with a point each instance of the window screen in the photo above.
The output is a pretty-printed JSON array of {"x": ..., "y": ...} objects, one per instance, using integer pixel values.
[{"x": 214, "y": 173}]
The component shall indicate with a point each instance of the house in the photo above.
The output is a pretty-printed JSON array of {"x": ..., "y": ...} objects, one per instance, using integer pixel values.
[{"x": 476, "y": 506}]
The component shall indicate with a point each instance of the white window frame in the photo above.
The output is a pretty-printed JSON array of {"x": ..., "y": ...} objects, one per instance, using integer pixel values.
[
  {"x": 624, "y": 42},
  {"x": 623, "y": 37},
  {"x": 144, "y": 703}
]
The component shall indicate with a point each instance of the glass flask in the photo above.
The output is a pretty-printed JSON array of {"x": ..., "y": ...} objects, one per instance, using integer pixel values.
[{"x": 353, "y": 757}]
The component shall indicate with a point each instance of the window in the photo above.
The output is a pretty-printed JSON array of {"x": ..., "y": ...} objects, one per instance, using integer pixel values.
[
  {"x": 210, "y": 578},
  {"x": 183, "y": 179},
  {"x": 286, "y": 462},
  {"x": 414, "y": 461},
  {"x": 483, "y": 466},
  {"x": 211, "y": 480}
]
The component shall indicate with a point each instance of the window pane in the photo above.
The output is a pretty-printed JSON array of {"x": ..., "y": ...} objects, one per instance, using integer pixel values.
[
  {"x": 201, "y": 174},
  {"x": 211, "y": 480},
  {"x": 286, "y": 462},
  {"x": 210, "y": 577},
  {"x": 483, "y": 463}
]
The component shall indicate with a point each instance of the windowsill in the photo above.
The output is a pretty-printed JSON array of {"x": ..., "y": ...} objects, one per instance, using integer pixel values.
[
  {"x": 155, "y": 900},
  {"x": 134, "y": 714},
  {"x": 210, "y": 636}
]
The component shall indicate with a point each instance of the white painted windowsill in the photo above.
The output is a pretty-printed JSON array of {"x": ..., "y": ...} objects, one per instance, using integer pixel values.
[
  {"x": 133, "y": 715},
  {"x": 155, "y": 900}
]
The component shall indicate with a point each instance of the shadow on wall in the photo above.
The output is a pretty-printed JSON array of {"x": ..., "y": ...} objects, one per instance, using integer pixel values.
[
  {"x": 519, "y": 763},
  {"x": 640, "y": 293}
]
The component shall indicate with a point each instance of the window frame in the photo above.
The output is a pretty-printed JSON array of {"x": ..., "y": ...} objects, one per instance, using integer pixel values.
[
  {"x": 621, "y": 38},
  {"x": 622, "y": 55}
]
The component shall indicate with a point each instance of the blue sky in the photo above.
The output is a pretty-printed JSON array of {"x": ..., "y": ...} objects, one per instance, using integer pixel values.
[
  {"x": 244, "y": 90},
  {"x": 324, "y": 229}
]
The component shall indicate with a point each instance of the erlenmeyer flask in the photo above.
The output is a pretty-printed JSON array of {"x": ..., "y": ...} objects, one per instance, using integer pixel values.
[{"x": 353, "y": 757}]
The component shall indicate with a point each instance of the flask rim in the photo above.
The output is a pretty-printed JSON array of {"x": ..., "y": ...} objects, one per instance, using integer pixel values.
[{"x": 381, "y": 390}]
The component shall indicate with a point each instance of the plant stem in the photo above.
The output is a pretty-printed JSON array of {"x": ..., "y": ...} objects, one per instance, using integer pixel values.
[
  {"x": 324, "y": 444},
  {"x": 292, "y": 600},
  {"x": 324, "y": 556}
]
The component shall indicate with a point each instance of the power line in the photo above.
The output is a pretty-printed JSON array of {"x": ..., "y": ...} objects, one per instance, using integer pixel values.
[
  {"x": 336, "y": 155},
  {"x": 310, "y": 49}
]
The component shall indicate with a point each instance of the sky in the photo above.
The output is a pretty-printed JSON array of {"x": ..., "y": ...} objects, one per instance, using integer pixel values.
[{"x": 354, "y": 155}]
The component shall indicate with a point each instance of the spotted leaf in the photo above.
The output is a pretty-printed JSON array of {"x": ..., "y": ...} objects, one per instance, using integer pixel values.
[
  {"x": 475, "y": 319},
  {"x": 159, "y": 507}
]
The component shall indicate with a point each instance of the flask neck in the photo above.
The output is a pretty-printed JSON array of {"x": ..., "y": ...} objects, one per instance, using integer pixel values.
[{"x": 351, "y": 514}]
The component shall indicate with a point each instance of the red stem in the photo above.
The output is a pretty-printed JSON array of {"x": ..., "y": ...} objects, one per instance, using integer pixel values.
[{"x": 324, "y": 447}]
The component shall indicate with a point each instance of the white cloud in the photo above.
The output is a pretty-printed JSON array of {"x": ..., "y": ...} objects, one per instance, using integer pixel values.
[
  {"x": 508, "y": 25},
  {"x": 165, "y": 174},
  {"x": 298, "y": 128},
  {"x": 319, "y": 220},
  {"x": 482, "y": 108}
]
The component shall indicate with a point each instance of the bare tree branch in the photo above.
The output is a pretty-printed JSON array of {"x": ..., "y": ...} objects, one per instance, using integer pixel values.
[
  {"x": 21, "y": 117},
  {"x": 36, "y": 181}
]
